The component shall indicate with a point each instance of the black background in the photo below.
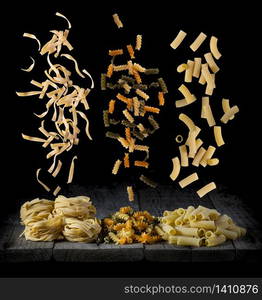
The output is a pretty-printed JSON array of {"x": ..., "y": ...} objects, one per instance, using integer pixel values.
[{"x": 93, "y": 33}]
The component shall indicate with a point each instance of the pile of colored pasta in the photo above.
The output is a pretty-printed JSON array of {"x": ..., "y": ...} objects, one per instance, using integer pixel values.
[
  {"x": 72, "y": 219},
  {"x": 199, "y": 226},
  {"x": 134, "y": 100},
  {"x": 204, "y": 70},
  {"x": 127, "y": 227},
  {"x": 58, "y": 92}
]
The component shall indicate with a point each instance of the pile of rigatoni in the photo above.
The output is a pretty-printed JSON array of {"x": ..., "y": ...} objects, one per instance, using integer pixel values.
[{"x": 199, "y": 226}]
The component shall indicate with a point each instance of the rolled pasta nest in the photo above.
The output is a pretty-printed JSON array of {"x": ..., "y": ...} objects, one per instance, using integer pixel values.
[
  {"x": 81, "y": 231},
  {"x": 45, "y": 230},
  {"x": 75, "y": 207},
  {"x": 70, "y": 218},
  {"x": 35, "y": 210}
]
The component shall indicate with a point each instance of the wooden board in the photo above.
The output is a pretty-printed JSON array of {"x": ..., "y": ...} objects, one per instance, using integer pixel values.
[
  {"x": 81, "y": 252},
  {"x": 108, "y": 199},
  {"x": 17, "y": 249},
  {"x": 248, "y": 248}
]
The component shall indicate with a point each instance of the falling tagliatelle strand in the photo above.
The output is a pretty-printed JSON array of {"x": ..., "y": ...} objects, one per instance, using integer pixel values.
[{"x": 60, "y": 93}]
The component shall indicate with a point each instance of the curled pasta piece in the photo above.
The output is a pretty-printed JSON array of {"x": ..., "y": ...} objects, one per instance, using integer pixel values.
[
  {"x": 213, "y": 161},
  {"x": 62, "y": 16},
  {"x": 188, "y": 121},
  {"x": 40, "y": 182},
  {"x": 226, "y": 107},
  {"x": 210, "y": 61},
  {"x": 70, "y": 57},
  {"x": 176, "y": 168},
  {"x": 30, "y": 68},
  {"x": 181, "y": 68},
  {"x": 32, "y": 36},
  {"x": 228, "y": 115},
  {"x": 71, "y": 170},
  {"x": 213, "y": 47},
  {"x": 186, "y": 93}
]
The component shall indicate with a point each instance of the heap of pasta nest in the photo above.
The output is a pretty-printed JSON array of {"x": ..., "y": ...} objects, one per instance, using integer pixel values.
[
  {"x": 127, "y": 226},
  {"x": 72, "y": 219},
  {"x": 199, "y": 226}
]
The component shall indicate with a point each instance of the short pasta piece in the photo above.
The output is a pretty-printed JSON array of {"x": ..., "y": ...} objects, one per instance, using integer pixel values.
[
  {"x": 176, "y": 168},
  {"x": 229, "y": 114},
  {"x": 111, "y": 106},
  {"x": 138, "y": 42},
  {"x": 206, "y": 189},
  {"x": 117, "y": 21},
  {"x": 198, "y": 41},
  {"x": 143, "y": 164},
  {"x": 131, "y": 196},
  {"x": 116, "y": 166},
  {"x": 189, "y": 71},
  {"x": 213, "y": 47},
  {"x": 126, "y": 160},
  {"x": 183, "y": 156},
  {"x": 178, "y": 40},
  {"x": 218, "y": 136},
  {"x": 188, "y": 180}
]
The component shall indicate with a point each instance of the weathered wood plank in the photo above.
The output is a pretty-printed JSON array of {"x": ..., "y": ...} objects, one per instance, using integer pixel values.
[
  {"x": 164, "y": 252},
  {"x": 5, "y": 235},
  {"x": 19, "y": 250},
  {"x": 248, "y": 248},
  {"x": 224, "y": 252},
  {"x": 91, "y": 252},
  {"x": 233, "y": 206}
]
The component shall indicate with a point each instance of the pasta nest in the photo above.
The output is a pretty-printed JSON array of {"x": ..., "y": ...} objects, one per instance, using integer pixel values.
[
  {"x": 35, "y": 210},
  {"x": 75, "y": 207},
  {"x": 45, "y": 230},
  {"x": 76, "y": 230}
]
